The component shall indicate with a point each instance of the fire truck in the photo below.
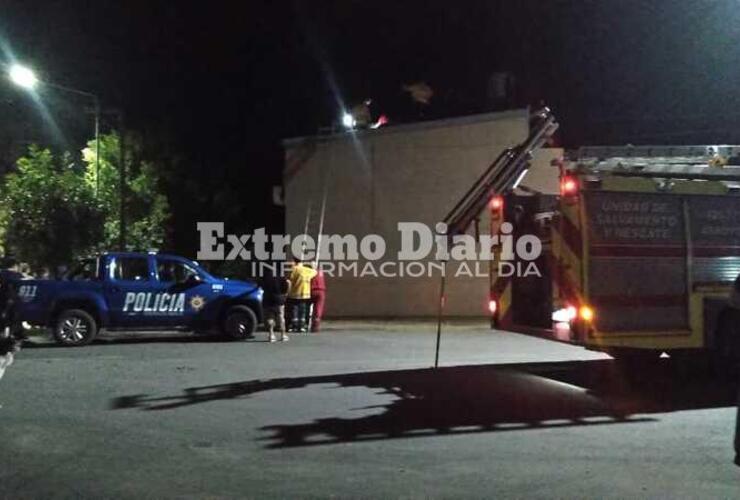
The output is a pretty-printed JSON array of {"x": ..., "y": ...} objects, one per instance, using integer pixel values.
[{"x": 640, "y": 247}]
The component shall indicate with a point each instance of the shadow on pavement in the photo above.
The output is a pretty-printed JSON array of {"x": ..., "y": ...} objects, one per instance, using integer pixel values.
[{"x": 482, "y": 398}]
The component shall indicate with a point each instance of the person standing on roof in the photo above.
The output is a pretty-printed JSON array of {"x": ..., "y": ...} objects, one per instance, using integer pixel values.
[{"x": 299, "y": 295}]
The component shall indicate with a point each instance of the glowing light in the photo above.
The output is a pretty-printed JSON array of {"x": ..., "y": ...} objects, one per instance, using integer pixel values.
[
  {"x": 348, "y": 120},
  {"x": 492, "y": 306},
  {"x": 565, "y": 315},
  {"x": 568, "y": 186},
  {"x": 571, "y": 312},
  {"x": 497, "y": 202},
  {"x": 586, "y": 313},
  {"x": 382, "y": 120},
  {"x": 519, "y": 179},
  {"x": 22, "y": 76}
]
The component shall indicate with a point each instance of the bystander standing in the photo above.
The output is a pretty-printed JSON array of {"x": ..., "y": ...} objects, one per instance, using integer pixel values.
[
  {"x": 275, "y": 287},
  {"x": 318, "y": 298},
  {"x": 299, "y": 295}
]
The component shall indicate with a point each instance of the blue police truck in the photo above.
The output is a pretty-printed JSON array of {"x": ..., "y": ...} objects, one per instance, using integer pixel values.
[{"x": 138, "y": 291}]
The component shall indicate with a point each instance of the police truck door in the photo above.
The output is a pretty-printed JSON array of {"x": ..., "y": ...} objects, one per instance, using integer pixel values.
[
  {"x": 183, "y": 290},
  {"x": 128, "y": 291}
]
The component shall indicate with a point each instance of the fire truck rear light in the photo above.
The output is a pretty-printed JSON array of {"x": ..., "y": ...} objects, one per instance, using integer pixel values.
[
  {"x": 492, "y": 306},
  {"x": 565, "y": 315},
  {"x": 571, "y": 312},
  {"x": 497, "y": 203},
  {"x": 586, "y": 314},
  {"x": 568, "y": 186}
]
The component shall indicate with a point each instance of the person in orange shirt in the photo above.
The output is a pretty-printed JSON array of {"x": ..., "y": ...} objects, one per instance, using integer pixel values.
[{"x": 299, "y": 295}]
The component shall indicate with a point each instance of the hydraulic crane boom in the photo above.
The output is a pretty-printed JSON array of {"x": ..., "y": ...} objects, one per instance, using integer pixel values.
[{"x": 502, "y": 175}]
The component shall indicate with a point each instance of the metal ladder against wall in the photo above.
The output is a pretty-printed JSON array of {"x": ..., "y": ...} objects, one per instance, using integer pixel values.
[
  {"x": 314, "y": 226},
  {"x": 502, "y": 175}
]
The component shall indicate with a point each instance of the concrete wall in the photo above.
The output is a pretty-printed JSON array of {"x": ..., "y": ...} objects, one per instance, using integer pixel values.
[{"x": 408, "y": 173}]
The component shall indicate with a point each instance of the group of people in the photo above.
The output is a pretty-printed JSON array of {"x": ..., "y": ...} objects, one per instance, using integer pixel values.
[{"x": 296, "y": 303}]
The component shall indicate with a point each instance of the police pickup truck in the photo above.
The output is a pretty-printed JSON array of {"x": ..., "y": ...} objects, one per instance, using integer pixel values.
[{"x": 138, "y": 291}]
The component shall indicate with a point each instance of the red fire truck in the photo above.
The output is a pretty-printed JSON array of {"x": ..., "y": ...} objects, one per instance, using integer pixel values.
[{"x": 640, "y": 248}]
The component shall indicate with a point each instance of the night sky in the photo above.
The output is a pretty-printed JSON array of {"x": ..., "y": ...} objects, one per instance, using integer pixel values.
[{"x": 214, "y": 86}]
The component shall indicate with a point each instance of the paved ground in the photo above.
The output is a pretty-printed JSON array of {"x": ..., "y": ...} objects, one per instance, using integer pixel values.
[{"x": 359, "y": 414}]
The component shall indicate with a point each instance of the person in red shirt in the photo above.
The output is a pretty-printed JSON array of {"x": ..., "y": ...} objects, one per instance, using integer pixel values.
[{"x": 318, "y": 296}]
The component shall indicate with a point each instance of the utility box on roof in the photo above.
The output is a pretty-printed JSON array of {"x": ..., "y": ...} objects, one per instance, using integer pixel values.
[{"x": 374, "y": 179}]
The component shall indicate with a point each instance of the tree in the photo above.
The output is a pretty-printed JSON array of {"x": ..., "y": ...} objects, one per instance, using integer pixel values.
[
  {"x": 48, "y": 216},
  {"x": 147, "y": 210},
  {"x": 51, "y": 214}
]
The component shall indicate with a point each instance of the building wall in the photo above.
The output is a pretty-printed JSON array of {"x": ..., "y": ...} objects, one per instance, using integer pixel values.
[{"x": 408, "y": 173}]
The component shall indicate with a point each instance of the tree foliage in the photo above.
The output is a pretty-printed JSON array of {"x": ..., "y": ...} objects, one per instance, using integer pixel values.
[
  {"x": 53, "y": 212},
  {"x": 147, "y": 209}
]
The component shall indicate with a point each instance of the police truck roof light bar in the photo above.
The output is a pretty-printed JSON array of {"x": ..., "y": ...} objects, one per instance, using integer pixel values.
[{"x": 503, "y": 174}]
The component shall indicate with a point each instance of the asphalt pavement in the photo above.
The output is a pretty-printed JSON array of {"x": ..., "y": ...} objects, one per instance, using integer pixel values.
[{"x": 357, "y": 412}]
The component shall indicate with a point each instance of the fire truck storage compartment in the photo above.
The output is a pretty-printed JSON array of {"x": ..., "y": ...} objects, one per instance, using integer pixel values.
[{"x": 640, "y": 257}]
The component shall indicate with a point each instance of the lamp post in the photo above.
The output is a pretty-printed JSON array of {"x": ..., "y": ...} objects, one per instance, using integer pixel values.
[{"x": 26, "y": 78}]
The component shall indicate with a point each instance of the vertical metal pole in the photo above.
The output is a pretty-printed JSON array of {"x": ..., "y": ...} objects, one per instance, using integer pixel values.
[
  {"x": 97, "y": 147},
  {"x": 492, "y": 265},
  {"x": 321, "y": 226},
  {"x": 440, "y": 312},
  {"x": 122, "y": 185}
]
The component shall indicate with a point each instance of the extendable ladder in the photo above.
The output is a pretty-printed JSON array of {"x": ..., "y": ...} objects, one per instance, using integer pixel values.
[{"x": 503, "y": 175}]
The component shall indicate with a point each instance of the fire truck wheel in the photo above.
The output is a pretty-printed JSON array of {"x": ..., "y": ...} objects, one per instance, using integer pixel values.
[{"x": 240, "y": 323}]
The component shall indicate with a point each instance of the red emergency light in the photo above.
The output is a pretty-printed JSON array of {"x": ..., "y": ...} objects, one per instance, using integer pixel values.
[
  {"x": 568, "y": 186},
  {"x": 492, "y": 306},
  {"x": 497, "y": 203}
]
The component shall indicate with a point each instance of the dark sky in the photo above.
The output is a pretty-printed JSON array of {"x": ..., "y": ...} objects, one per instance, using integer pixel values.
[{"x": 217, "y": 84}]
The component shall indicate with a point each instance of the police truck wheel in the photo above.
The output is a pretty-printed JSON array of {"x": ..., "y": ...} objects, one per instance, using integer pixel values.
[
  {"x": 240, "y": 323},
  {"x": 74, "y": 328}
]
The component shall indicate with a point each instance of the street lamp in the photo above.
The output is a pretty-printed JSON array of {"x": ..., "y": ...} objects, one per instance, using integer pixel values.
[
  {"x": 23, "y": 76},
  {"x": 348, "y": 120},
  {"x": 26, "y": 78}
]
